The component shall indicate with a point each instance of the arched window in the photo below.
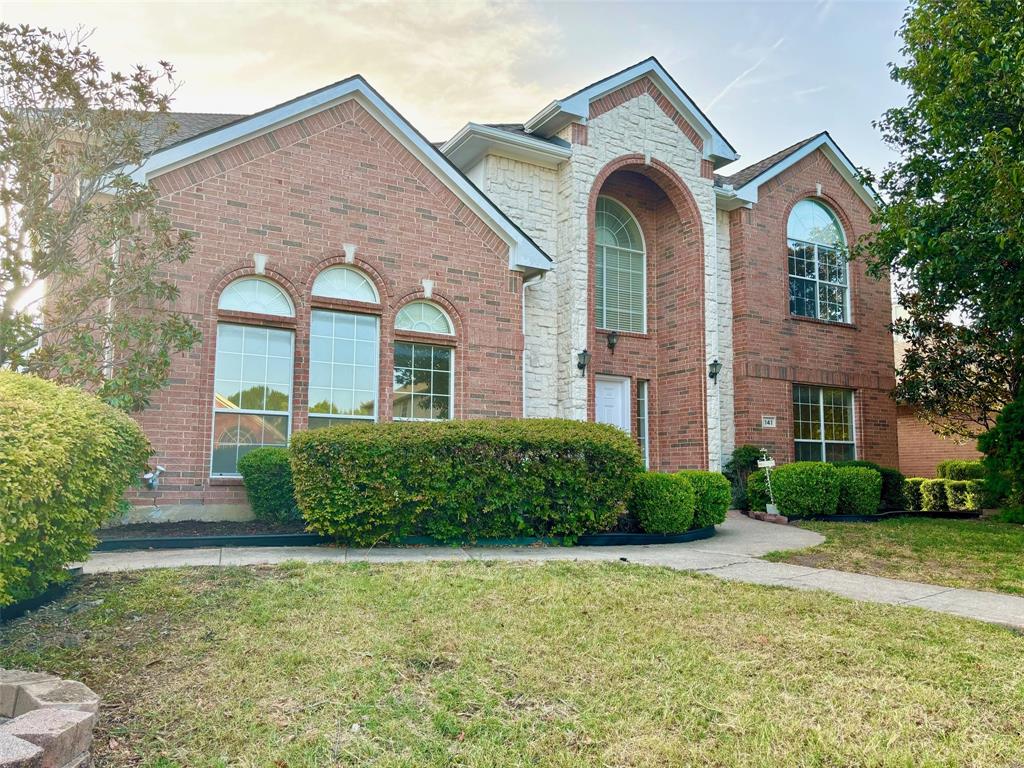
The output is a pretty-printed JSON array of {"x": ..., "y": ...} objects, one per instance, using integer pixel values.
[
  {"x": 620, "y": 273},
  {"x": 819, "y": 284},
  {"x": 253, "y": 375},
  {"x": 424, "y": 382},
  {"x": 345, "y": 283},
  {"x": 252, "y": 294}
]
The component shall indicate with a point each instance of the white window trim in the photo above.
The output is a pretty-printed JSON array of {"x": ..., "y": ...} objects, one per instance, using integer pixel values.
[
  {"x": 435, "y": 305},
  {"x": 376, "y": 373},
  {"x": 256, "y": 278},
  {"x": 451, "y": 382},
  {"x": 847, "y": 314},
  {"x": 249, "y": 411},
  {"x": 643, "y": 253},
  {"x": 645, "y": 386},
  {"x": 821, "y": 443},
  {"x": 345, "y": 268}
]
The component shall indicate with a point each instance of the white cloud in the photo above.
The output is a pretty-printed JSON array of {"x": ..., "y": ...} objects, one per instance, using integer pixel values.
[{"x": 743, "y": 76}]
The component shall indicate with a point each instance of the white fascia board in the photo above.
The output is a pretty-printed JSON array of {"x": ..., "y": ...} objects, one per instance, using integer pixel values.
[
  {"x": 831, "y": 150},
  {"x": 523, "y": 253},
  {"x": 475, "y": 141}
]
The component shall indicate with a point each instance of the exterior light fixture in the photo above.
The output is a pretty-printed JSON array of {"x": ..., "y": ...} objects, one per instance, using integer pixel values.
[
  {"x": 259, "y": 262},
  {"x": 582, "y": 361},
  {"x": 714, "y": 368},
  {"x": 613, "y": 339}
]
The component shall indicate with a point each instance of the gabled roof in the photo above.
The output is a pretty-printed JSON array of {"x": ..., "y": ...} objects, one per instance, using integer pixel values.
[
  {"x": 741, "y": 188},
  {"x": 576, "y": 107},
  {"x": 188, "y": 124},
  {"x": 523, "y": 252},
  {"x": 474, "y": 141}
]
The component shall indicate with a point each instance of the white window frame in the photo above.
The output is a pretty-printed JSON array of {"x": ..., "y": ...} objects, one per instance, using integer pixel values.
[
  {"x": 345, "y": 268},
  {"x": 451, "y": 381},
  {"x": 250, "y": 411},
  {"x": 842, "y": 251},
  {"x": 376, "y": 372},
  {"x": 643, "y": 406},
  {"x": 604, "y": 272},
  {"x": 822, "y": 442}
]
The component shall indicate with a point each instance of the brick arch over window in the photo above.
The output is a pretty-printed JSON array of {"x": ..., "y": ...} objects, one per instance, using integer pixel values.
[
  {"x": 368, "y": 269},
  {"x": 670, "y": 356}
]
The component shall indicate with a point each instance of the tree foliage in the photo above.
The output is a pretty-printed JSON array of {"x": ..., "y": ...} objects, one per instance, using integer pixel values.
[
  {"x": 951, "y": 229},
  {"x": 84, "y": 248}
]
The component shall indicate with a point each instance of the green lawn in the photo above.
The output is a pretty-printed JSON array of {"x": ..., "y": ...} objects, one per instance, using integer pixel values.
[
  {"x": 470, "y": 664},
  {"x": 976, "y": 554}
]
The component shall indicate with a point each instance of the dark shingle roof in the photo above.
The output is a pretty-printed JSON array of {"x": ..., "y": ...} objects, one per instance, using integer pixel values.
[
  {"x": 188, "y": 124},
  {"x": 754, "y": 170}
]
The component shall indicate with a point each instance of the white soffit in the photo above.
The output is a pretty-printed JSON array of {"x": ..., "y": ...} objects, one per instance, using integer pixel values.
[{"x": 467, "y": 147}]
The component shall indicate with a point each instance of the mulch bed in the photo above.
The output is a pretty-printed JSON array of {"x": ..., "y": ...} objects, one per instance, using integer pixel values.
[{"x": 197, "y": 528}]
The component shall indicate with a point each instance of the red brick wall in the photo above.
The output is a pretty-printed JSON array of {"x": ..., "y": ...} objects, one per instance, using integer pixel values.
[
  {"x": 921, "y": 450},
  {"x": 774, "y": 350},
  {"x": 297, "y": 194},
  {"x": 670, "y": 355}
]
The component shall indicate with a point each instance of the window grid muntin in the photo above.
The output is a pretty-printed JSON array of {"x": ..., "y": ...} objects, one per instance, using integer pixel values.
[
  {"x": 424, "y": 317},
  {"x": 346, "y": 283},
  {"x": 228, "y": 406},
  {"x": 642, "y": 420},
  {"x": 428, "y": 361},
  {"x": 620, "y": 270},
  {"x": 819, "y": 283},
  {"x": 819, "y": 414},
  {"x": 265, "y": 298},
  {"x": 363, "y": 332}
]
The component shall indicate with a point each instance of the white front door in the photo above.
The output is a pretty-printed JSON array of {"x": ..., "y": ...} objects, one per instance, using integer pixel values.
[{"x": 611, "y": 398}]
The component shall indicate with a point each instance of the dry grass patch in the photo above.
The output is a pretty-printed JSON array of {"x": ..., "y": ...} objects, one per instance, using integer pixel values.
[{"x": 473, "y": 664}]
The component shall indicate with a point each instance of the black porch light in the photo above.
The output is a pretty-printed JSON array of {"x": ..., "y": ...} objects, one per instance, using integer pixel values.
[
  {"x": 613, "y": 339},
  {"x": 582, "y": 361},
  {"x": 714, "y": 368}
]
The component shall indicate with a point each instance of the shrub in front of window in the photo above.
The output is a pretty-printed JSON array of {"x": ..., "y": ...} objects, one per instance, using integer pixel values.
[
  {"x": 892, "y": 483},
  {"x": 860, "y": 490},
  {"x": 933, "y": 496},
  {"x": 65, "y": 460},
  {"x": 912, "y": 493},
  {"x": 806, "y": 489},
  {"x": 713, "y": 495},
  {"x": 757, "y": 491},
  {"x": 964, "y": 495},
  {"x": 267, "y": 474},
  {"x": 462, "y": 480},
  {"x": 960, "y": 469},
  {"x": 662, "y": 503}
]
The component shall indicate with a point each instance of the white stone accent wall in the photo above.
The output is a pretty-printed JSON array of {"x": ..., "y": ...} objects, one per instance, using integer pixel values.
[{"x": 721, "y": 414}]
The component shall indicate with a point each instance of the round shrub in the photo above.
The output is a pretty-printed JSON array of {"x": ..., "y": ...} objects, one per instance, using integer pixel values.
[
  {"x": 892, "y": 483},
  {"x": 757, "y": 491},
  {"x": 912, "y": 493},
  {"x": 663, "y": 503},
  {"x": 933, "y": 496},
  {"x": 65, "y": 460},
  {"x": 713, "y": 495},
  {"x": 960, "y": 469},
  {"x": 267, "y": 474},
  {"x": 462, "y": 480},
  {"x": 860, "y": 490},
  {"x": 806, "y": 489}
]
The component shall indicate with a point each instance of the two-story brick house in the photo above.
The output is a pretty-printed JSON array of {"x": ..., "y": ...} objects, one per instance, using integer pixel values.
[{"x": 588, "y": 264}]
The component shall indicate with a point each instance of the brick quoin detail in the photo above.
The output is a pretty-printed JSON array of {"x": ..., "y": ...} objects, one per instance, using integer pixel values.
[
  {"x": 298, "y": 194},
  {"x": 773, "y": 350},
  {"x": 707, "y": 169},
  {"x": 671, "y": 354},
  {"x": 579, "y": 134},
  {"x": 639, "y": 88}
]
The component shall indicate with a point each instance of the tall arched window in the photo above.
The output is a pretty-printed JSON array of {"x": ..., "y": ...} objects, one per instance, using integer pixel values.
[
  {"x": 620, "y": 273},
  {"x": 819, "y": 284},
  {"x": 424, "y": 371},
  {"x": 253, "y": 375}
]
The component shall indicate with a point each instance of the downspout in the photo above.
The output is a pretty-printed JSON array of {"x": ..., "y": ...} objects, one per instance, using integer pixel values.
[{"x": 527, "y": 284}]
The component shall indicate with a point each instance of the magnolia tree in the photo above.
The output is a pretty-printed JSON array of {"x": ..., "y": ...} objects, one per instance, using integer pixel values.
[
  {"x": 951, "y": 229},
  {"x": 84, "y": 248}
]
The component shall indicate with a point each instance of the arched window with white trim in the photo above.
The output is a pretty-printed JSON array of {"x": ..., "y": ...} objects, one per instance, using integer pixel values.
[
  {"x": 253, "y": 375},
  {"x": 620, "y": 270},
  {"x": 345, "y": 283},
  {"x": 424, "y": 371},
  {"x": 819, "y": 280}
]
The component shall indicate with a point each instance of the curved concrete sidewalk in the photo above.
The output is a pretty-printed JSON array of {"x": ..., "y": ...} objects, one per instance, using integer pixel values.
[{"x": 732, "y": 554}]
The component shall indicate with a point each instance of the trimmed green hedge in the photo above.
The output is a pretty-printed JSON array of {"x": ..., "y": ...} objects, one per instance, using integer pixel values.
[
  {"x": 662, "y": 503},
  {"x": 892, "y": 483},
  {"x": 267, "y": 474},
  {"x": 806, "y": 488},
  {"x": 912, "y": 493},
  {"x": 462, "y": 480},
  {"x": 757, "y": 491},
  {"x": 860, "y": 490},
  {"x": 960, "y": 469},
  {"x": 65, "y": 461},
  {"x": 964, "y": 495},
  {"x": 714, "y": 494},
  {"x": 933, "y": 496}
]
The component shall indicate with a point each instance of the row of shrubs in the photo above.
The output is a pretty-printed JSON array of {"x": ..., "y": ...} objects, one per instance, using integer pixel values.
[
  {"x": 476, "y": 479},
  {"x": 942, "y": 495},
  {"x": 65, "y": 461}
]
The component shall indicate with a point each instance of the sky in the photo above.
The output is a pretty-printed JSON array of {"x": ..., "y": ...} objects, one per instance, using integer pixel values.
[{"x": 767, "y": 74}]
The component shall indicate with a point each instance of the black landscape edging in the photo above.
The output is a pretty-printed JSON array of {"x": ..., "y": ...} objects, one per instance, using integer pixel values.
[
  {"x": 627, "y": 539},
  {"x": 949, "y": 515},
  {"x": 50, "y": 594}
]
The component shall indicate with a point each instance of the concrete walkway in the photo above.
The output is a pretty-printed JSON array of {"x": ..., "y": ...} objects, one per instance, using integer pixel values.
[{"x": 732, "y": 554}]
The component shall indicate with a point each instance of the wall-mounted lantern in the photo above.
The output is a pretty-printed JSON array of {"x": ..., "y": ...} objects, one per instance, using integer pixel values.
[
  {"x": 714, "y": 368},
  {"x": 582, "y": 361},
  {"x": 613, "y": 339}
]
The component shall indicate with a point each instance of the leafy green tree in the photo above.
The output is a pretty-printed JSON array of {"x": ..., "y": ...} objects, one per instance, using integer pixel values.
[
  {"x": 951, "y": 228},
  {"x": 84, "y": 248}
]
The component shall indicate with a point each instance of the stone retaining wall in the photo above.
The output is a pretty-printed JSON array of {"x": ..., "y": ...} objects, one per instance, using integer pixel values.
[{"x": 45, "y": 722}]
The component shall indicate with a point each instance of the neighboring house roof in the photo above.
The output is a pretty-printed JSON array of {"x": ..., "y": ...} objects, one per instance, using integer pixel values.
[
  {"x": 576, "y": 107},
  {"x": 741, "y": 188},
  {"x": 188, "y": 124},
  {"x": 524, "y": 253}
]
